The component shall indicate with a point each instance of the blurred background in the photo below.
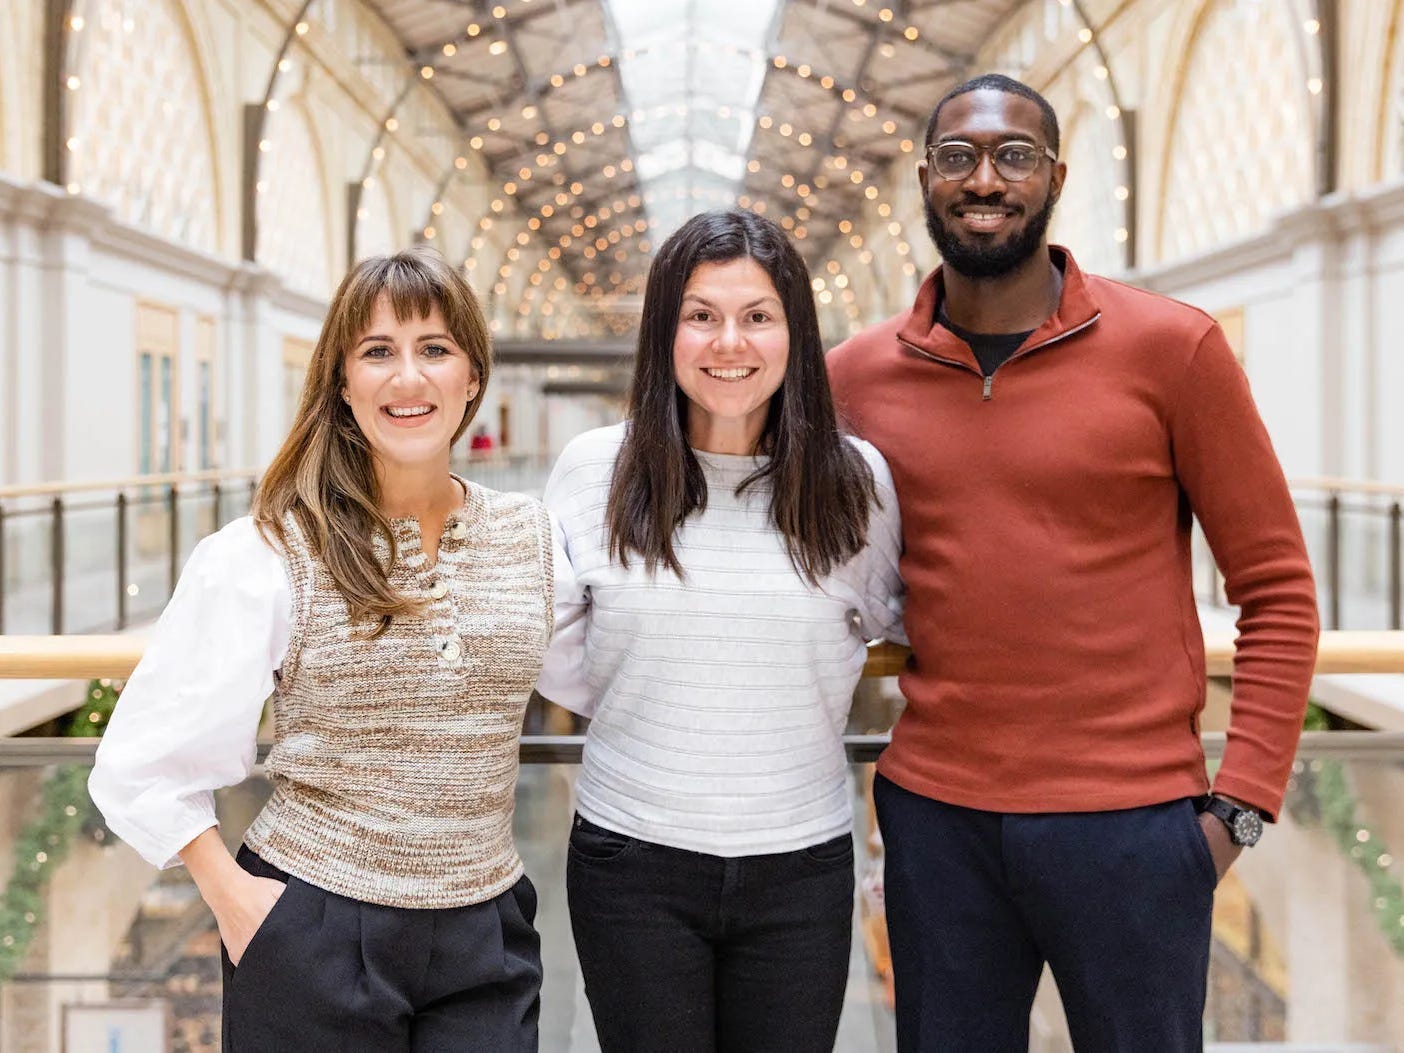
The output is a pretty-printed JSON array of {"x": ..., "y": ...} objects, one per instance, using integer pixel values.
[{"x": 183, "y": 183}]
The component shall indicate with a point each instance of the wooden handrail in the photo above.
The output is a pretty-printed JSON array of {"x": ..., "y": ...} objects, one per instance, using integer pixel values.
[
  {"x": 130, "y": 482},
  {"x": 87, "y": 657},
  {"x": 1327, "y": 483},
  {"x": 1347, "y": 486},
  {"x": 490, "y": 459}
]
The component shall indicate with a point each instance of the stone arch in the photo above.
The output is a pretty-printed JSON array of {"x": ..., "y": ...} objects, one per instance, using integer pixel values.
[
  {"x": 142, "y": 104},
  {"x": 1389, "y": 137},
  {"x": 376, "y": 230},
  {"x": 1240, "y": 133},
  {"x": 294, "y": 220},
  {"x": 1089, "y": 212}
]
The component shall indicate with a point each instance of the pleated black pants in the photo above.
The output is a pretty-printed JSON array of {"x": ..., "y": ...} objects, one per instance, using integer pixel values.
[{"x": 328, "y": 974}]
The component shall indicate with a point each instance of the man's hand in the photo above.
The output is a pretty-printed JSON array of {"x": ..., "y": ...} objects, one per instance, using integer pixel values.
[{"x": 1221, "y": 846}]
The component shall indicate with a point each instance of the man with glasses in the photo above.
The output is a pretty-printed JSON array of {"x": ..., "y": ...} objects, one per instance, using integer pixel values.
[{"x": 1050, "y": 434}]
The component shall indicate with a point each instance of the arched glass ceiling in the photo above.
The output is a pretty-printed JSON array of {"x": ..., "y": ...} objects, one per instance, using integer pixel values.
[{"x": 692, "y": 73}]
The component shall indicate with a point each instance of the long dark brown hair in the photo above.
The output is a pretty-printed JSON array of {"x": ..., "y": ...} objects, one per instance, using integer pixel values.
[
  {"x": 821, "y": 487},
  {"x": 324, "y": 475}
]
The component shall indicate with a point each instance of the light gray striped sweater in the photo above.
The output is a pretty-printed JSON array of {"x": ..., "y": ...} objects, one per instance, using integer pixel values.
[{"x": 718, "y": 701}]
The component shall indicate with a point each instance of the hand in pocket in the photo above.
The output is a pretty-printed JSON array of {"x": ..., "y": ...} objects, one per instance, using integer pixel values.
[{"x": 243, "y": 912}]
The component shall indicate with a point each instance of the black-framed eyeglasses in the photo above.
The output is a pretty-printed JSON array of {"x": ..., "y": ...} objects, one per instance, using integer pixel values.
[{"x": 1014, "y": 159}]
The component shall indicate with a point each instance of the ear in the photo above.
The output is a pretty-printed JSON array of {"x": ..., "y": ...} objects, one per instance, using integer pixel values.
[
  {"x": 921, "y": 176},
  {"x": 1056, "y": 178},
  {"x": 473, "y": 388}
]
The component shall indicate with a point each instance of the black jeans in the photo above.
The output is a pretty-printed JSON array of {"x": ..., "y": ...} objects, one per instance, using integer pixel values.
[
  {"x": 684, "y": 952},
  {"x": 327, "y": 974},
  {"x": 1118, "y": 903}
]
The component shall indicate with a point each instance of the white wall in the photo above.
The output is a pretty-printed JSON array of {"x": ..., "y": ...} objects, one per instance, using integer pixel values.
[{"x": 1322, "y": 296}]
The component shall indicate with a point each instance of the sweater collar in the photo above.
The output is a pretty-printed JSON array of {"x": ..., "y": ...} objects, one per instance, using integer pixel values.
[{"x": 1076, "y": 309}]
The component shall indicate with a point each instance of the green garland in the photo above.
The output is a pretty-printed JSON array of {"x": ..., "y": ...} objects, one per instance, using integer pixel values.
[
  {"x": 63, "y": 811},
  {"x": 1324, "y": 799}
]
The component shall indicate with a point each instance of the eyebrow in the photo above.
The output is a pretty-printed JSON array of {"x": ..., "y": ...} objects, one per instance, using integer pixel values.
[
  {"x": 1002, "y": 137},
  {"x": 767, "y": 298},
  {"x": 390, "y": 340}
]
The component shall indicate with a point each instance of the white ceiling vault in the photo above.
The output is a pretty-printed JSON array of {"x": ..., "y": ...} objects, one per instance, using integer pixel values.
[{"x": 637, "y": 113}]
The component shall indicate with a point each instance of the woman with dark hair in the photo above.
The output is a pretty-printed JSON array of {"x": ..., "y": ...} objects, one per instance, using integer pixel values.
[
  {"x": 723, "y": 555},
  {"x": 398, "y": 616}
]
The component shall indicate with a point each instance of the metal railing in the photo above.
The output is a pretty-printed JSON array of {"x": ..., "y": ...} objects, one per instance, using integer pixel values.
[
  {"x": 1355, "y": 536},
  {"x": 113, "y": 549},
  {"x": 1343, "y": 786}
]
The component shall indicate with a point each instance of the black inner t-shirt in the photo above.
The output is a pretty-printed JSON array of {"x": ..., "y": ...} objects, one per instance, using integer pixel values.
[{"x": 991, "y": 349}]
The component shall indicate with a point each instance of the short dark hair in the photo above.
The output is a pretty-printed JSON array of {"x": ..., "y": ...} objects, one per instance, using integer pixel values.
[
  {"x": 821, "y": 488},
  {"x": 1008, "y": 85}
]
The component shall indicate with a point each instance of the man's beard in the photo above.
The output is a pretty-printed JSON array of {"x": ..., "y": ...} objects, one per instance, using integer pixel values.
[{"x": 984, "y": 258}]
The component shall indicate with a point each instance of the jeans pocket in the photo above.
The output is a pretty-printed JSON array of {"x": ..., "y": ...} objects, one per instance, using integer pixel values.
[
  {"x": 832, "y": 852},
  {"x": 595, "y": 844}
]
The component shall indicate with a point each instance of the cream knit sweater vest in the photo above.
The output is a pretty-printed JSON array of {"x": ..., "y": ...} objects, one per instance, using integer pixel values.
[{"x": 395, "y": 759}]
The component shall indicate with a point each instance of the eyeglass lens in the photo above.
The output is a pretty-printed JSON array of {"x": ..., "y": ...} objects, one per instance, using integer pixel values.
[{"x": 1013, "y": 161}]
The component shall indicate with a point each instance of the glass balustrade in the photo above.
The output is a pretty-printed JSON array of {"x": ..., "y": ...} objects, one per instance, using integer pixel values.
[{"x": 1308, "y": 950}]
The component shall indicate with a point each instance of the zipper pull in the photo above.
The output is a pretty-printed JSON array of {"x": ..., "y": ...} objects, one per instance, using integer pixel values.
[{"x": 989, "y": 383}]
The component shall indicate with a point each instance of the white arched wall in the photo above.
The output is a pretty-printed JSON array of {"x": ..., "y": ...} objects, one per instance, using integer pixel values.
[
  {"x": 140, "y": 136},
  {"x": 1240, "y": 137},
  {"x": 1389, "y": 127},
  {"x": 1089, "y": 213},
  {"x": 294, "y": 229}
]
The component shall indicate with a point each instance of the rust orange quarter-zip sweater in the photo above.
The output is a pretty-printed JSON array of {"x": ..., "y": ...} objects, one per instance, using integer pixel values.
[{"x": 1058, "y": 661}]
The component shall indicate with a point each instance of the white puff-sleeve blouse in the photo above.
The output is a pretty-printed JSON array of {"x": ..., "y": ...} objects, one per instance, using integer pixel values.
[{"x": 187, "y": 722}]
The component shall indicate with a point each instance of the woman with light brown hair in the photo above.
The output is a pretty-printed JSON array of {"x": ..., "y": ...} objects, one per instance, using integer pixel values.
[{"x": 398, "y": 615}]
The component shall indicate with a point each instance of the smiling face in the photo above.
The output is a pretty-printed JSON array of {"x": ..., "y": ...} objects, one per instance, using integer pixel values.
[
  {"x": 984, "y": 225},
  {"x": 730, "y": 353},
  {"x": 408, "y": 384}
]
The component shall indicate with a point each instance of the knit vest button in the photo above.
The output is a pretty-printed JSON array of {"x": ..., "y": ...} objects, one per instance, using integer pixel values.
[
  {"x": 459, "y": 532},
  {"x": 439, "y": 589},
  {"x": 451, "y": 651}
]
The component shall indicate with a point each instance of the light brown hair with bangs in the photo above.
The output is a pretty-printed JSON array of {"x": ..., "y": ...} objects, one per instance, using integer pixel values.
[{"x": 324, "y": 474}]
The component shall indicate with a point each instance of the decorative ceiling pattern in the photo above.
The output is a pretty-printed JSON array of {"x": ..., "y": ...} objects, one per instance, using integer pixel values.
[{"x": 611, "y": 121}]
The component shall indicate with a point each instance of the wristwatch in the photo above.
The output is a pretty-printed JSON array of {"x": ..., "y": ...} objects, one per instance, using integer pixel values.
[{"x": 1245, "y": 825}]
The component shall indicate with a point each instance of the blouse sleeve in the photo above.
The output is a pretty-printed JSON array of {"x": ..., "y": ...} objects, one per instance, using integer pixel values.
[
  {"x": 563, "y": 677},
  {"x": 186, "y": 723},
  {"x": 882, "y": 594}
]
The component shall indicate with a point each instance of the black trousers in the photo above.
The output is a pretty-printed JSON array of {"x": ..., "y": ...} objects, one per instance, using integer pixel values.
[
  {"x": 683, "y": 952},
  {"x": 1118, "y": 904},
  {"x": 327, "y": 974}
]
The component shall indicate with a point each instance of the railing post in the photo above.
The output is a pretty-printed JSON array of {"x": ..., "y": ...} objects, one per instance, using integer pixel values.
[
  {"x": 121, "y": 559},
  {"x": 174, "y": 525},
  {"x": 214, "y": 493},
  {"x": 57, "y": 561},
  {"x": 2, "y": 570},
  {"x": 1333, "y": 558},
  {"x": 1396, "y": 556}
]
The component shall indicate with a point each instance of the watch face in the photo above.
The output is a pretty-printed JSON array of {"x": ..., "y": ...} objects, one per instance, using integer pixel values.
[{"x": 1247, "y": 827}]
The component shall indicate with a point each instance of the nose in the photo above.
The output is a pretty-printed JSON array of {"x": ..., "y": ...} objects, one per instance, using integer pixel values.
[
  {"x": 729, "y": 336},
  {"x": 407, "y": 368},
  {"x": 985, "y": 180}
]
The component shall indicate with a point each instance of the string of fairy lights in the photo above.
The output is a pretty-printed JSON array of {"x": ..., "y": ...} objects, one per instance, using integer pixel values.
[{"x": 862, "y": 114}]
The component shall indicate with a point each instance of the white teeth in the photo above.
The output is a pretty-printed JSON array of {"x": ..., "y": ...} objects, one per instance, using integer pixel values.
[
  {"x": 416, "y": 411},
  {"x": 730, "y": 374}
]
